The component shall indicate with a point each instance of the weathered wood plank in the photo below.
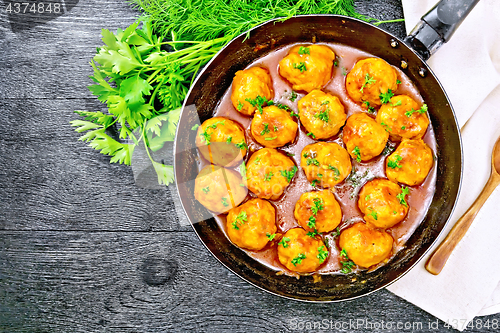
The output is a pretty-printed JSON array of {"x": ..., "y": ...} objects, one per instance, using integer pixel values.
[{"x": 156, "y": 282}]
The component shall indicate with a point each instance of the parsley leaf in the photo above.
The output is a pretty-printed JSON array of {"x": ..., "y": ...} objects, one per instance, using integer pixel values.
[
  {"x": 268, "y": 176},
  {"x": 258, "y": 102},
  {"x": 401, "y": 196},
  {"x": 394, "y": 163},
  {"x": 322, "y": 254},
  {"x": 301, "y": 66},
  {"x": 368, "y": 80},
  {"x": 289, "y": 174},
  {"x": 323, "y": 115},
  {"x": 284, "y": 242},
  {"x": 240, "y": 219},
  {"x": 386, "y": 97},
  {"x": 270, "y": 237},
  {"x": 304, "y": 50},
  {"x": 266, "y": 129},
  {"x": 310, "y": 161},
  {"x": 298, "y": 260},
  {"x": 357, "y": 154}
]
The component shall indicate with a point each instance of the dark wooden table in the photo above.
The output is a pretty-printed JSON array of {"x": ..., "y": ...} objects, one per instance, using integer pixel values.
[{"x": 82, "y": 248}]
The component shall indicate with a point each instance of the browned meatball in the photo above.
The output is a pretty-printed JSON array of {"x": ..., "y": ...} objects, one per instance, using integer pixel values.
[
  {"x": 403, "y": 118},
  {"x": 273, "y": 127},
  {"x": 269, "y": 172},
  {"x": 221, "y": 141},
  {"x": 325, "y": 163},
  {"x": 308, "y": 67},
  {"x": 368, "y": 79},
  {"x": 301, "y": 253},
  {"x": 249, "y": 87},
  {"x": 219, "y": 189},
  {"x": 383, "y": 203},
  {"x": 410, "y": 163},
  {"x": 252, "y": 224},
  {"x": 322, "y": 114},
  {"x": 364, "y": 138},
  {"x": 318, "y": 211},
  {"x": 365, "y": 246}
]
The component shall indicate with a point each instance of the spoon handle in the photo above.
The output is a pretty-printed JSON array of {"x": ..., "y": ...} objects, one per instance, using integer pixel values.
[{"x": 438, "y": 259}]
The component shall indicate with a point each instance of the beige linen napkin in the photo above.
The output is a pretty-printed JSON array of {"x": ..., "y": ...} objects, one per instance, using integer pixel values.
[{"x": 468, "y": 67}]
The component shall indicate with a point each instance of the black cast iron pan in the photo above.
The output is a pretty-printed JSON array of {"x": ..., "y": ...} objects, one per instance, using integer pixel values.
[{"x": 436, "y": 28}]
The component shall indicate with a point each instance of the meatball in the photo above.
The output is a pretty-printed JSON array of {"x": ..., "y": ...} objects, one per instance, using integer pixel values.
[
  {"x": 321, "y": 114},
  {"x": 250, "y": 87},
  {"x": 368, "y": 79},
  {"x": 403, "y": 118},
  {"x": 252, "y": 224},
  {"x": 301, "y": 253},
  {"x": 269, "y": 172},
  {"x": 273, "y": 127},
  {"x": 219, "y": 189},
  {"x": 364, "y": 138},
  {"x": 325, "y": 163},
  {"x": 318, "y": 211},
  {"x": 365, "y": 246},
  {"x": 383, "y": 203},
  {"x": 308, "y": 67},
  {"x": 410, "y": 163},
  {"x": 221, "y": 141}
]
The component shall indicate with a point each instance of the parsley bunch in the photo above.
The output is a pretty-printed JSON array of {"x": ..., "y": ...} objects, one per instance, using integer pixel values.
[{"x": 143, "y": 81}]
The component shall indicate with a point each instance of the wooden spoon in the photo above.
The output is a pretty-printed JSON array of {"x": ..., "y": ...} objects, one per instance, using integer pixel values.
[{"x": 438, "y": 259}]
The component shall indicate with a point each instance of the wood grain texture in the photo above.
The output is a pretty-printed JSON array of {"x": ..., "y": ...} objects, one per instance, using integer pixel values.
[{"x": 82, "y": 248}]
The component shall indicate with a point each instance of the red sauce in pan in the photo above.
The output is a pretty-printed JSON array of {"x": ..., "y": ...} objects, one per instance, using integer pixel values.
[{"x": 345, "y": 192}]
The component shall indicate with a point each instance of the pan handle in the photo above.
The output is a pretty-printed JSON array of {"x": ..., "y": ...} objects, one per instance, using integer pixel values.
[{"x": 438, "y": 25}]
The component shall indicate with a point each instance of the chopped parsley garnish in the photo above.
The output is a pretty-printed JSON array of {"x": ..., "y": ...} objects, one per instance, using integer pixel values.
[
  {"x": 398, "y": 81},
  {"x": 336, "y": 232},
  {"x": 284, "y": 242},
  {"x": 266, "y": 129},
  {"x": 371, "y": 109},
  {"x": 310, "y": 161},
  {"x": 293, "y": 96},
  {"x": 279, "y": 105},
  {"x": 240, "y": 105},
  {"x": 268, "y": 176},
  {"x": 398, "y": 103},
  {"x": 301, "y": 66},
  {"x": 318, "y": 206},
  {"x": 323, "y": 115},
  {"x": 320, "y": 175},
  {"x": 401, "y": 196},
  {"x": 270, "y": 237},
  {"x": 325, "y": 102},
  {"x": 347, "y": 267},
  {"x": 206, "y": 136},
  {"x": 314, "y": 182},
  {"x": 344, "y": 71},
  {"x": 258, "y": 102},
  {"x": 229, "y": 139},
  {"x": 347, "y": 264},
  {"x": 422, "y": 110},
  {"x": 243, "y": 170},
  {"x": 386, "y": 127},
  {"x": 239, "y": 220},
  {"x": 312, "y": 234},
  {"x": 195, "y": 127},
  {"x": 257, "y": 160},
  {"x": 322, "y": 255},
  {"x": 289, "y": 174},
  {"x": 290, "y": 154},
  {"x": 275, "y": 128},
  {"x": 403, "y": 127},
  {"x": 304, "y": 50},
  {"x": 224, "y": 202},
  {"x": 272, "y": 138},
  {"x": 311, "y": 223},
  {"x": 368, "y": 80},
  {"x": 206, "y": 189},
  {"x": 373, "y": 214},
  {"x": 311, "y": 135},
  {"x": 293, "y": 114},
  {"x": 298, "y": 260},
  {"x": 394, "y": 163},
  {"x": 334, "y": 169},
  {"x": 386, "y": 97},
  {"x": 367, "y": 197},
  {"x": 242, "y": 145},
  {"x": 357, "y": 153}
]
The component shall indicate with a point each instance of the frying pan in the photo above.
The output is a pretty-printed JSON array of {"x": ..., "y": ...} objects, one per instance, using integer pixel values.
[{"x": 435, "y": 28}]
